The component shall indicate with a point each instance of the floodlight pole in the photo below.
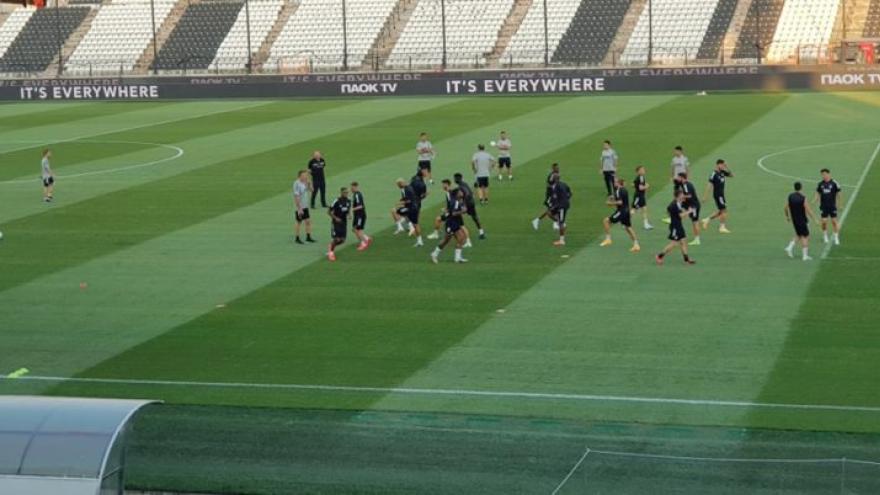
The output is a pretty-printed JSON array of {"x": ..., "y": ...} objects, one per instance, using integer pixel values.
[
  {"x": 443, "y": 31},
  {"x": 650, "y": 33},
  {"x": 546, "y": 38},
  {"x": 155, "y": 48},
  {"x": 758, "y": 30},
  {"x": 58, "y": 35},
  {"x": 247, "y": 18},
  {"x": 344, "y": 37}
]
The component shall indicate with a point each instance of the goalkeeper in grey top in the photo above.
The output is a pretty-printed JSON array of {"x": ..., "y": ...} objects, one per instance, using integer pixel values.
[
  {"x": 482, "y": 164},
  {"x": 504, "y": 161},
  {"x": 609, "y": 166},
  {"x": 680, "y": 163}
]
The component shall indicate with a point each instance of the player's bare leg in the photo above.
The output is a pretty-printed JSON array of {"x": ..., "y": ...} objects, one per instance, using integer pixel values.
[
  {"x": 438, "y": 223},
  {"x": 632, "y": 235},
  {"x": 561, "y": 241},
  {"x": 824, "y": 225},
  {"x": 836, "y": 226},
  {"x": 606, "y": 224},
  {"x": 460, "y": 238}
]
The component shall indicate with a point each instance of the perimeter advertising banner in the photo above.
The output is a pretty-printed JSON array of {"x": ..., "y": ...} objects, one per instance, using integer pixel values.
[{"x": 761, "y": 78}]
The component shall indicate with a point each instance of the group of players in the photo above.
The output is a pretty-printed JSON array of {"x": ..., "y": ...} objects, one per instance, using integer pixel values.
[{"x": 461, "y": 201}]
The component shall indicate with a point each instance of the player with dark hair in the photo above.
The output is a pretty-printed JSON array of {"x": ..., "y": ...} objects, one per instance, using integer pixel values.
[
  {"x": 620, "y": 201},
  {"x": 548, "y": 192},
  {"x": 471, "y": 206},
  {"x": 640, "y": 195},
  {"x": 799, "y": 214},
  {"x": 608, "y": 166},
  {"x": 407, "y": 211},
  {"x": 828, "y": 197},
  {"x": 482, "y": 164},
  {"x": 717, "y": 181},
  {"x": 455, "y": 211},
  {"x": 338, "y": 212},
  {"x": 359, "y": 217},
  {"x": 677, "y": 236},
  {"x": 48, "y": 176},
  {"x": 301, "y": 191},
  {"x": 680, "y": 163},
  {"x": 504, "y": 161},
  {"x": 417, "y": 183},
  {"x": 319, "y": 181},
  {"x": 560, "y": 202},
  {"x": 692, "y": 203},
  {"x": 426, "y": 153}
]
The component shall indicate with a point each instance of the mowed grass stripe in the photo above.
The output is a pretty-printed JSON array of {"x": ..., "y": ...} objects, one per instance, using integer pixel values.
[
  {"x": 256, "y": 249},
  {"x": 128, "y": 217},
  {"x": 71, "y": 115},
  {"x": 204, "y": 151},
  {"x": 377, "y": 334},
  {"x": 25, "y": 163}
]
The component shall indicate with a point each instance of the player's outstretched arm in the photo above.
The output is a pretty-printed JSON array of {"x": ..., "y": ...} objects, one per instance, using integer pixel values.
[{"x": 787, "y": 213}]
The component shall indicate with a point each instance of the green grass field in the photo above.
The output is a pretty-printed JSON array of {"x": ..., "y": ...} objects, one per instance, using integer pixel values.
[{"x": 165, "y": 270}]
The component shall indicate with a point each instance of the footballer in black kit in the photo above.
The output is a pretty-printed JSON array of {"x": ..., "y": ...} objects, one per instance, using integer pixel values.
[
  {"x": 319, "y": 182},
  {"x": 717, "y": 181},
  {"x": 798, "y": 212},
  {"x": 640, "y": 195},
  {"x": 469, "y": 202},
  {"x": 359, "y": 217},
  {"x": 560, "y": 202},
  {"x": 692, "y": 203},
  {"x": 548, "y": 193},
  {"x": 620, "y": 201},
  {"x": 677, "y": 210},
  {"x": 407, "y": 210},
  {"x": 338, "y": 212},
  {"x": 828, "y": 197},
  {"x": 454, "y": 214}
]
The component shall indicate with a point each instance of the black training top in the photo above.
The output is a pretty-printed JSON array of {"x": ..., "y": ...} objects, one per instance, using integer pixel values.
[
  {"x": 316, "y": 167},
  {"x": 828, "y": 194},
  {"x": 718, "y": 178},
  {"x": 797, "y": 207}
]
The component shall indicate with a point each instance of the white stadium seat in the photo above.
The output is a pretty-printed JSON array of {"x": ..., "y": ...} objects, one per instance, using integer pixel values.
[
  {"x": 804, "y": 25},
  {"x": 678, "y": 30},
  {"x": 527, "y": 45}
]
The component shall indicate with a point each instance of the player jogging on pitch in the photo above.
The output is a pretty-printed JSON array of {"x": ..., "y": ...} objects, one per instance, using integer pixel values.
[
  {"x": 608, "y": 166},
  {"x": 560, "y": 202},
  {"x": 482, "y": 164},
  {"x": 548, "y": 193},
  {"x": 338, "y": 212},
  {"x": 828, "y": 197},
  {"x": 359, "y": 217},
  {"x": 640, "y": 195},
  {"x": 48, "y": 176},
  {"x": 504, "y": 161},
  {"x": 455, "y": 211},
  {"x": 717, "y": 182},
  {"x": 692, "y": 203},
  {"x": 301, "y": 190},
  {"x": 407, "y": 210},
  {"x": 677, "y": 236},
  {"x": 620, "y": 200},
  {"x": 798, "y": 212},
  {"x": 471, "y": 206},
  {"x": 426, "y": 153}
]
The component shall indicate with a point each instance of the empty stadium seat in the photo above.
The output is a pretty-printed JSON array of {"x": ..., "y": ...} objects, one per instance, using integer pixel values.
[
  {"x": 678, "y": 29},
  {"x": 118, "y": 37},
  {"x": 758, "y": 28},
  {"x": 591, "y": 32},
  {"x": 527, "y": 45},
  {"x": 313, "y": 34},
  {"x": 12, "y": 26},
  {"x": 472, "y": 28},
  {"x": 804, "y": 30},
  {"x": 233, "y": 51},
  {"x": 198, "y": 34},
  {"x": 37, "y": 44},
  {"x": 717, "y": 30},
  {"x": 872, "y": 23}
]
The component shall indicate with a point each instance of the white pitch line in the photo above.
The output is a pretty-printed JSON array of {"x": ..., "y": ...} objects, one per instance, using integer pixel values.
[
  {"x": 460, "y": 393},
  {"x": 571, "y": 473},
  {"x": 852, "y": 198},
  {"x": 132, "y": 128},
  {"x": 763, "y": 167}
]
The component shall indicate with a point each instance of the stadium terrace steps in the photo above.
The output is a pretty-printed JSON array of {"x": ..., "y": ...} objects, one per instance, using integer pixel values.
[
  {"x": 669, "y": 31},
  {"x": 591, "y": 32},
  {"x": 232, "y": 54},
  {"x": 803, "y": 31},
  {"x": 12, "y": 25},
  {"x": 391, "y": 31},
  {"x": 736, "y": 26},
  {"x": 872, "y": 20},
  {"x": 710, "y": 48},
  {"x": 287, "y": 10},
  {"x": 760, "y": 24},
  {"x": 508, "y": 29},
  {"x": 197, "y": 35},
  {"x": 618, "y": 44},
  {"x": 163, "y": 33},
  {"x": 33, "y": 50},
  {"x": 73, "y": 41}
]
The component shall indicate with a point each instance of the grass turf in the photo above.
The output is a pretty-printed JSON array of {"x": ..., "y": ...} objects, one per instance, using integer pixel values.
[{"x": 597, "y": 322}]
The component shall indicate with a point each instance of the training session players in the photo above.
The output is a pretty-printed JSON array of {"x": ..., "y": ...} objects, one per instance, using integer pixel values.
[
  {"x": 828, "y": 196},
  {"x": 338, "y": 212},
  {"x": 798, "y": 212},
  {"x": 620, "y": 201}
]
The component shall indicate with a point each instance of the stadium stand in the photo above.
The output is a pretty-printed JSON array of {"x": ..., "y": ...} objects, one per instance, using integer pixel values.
[
  {"x": 588, "y": 38},
  {"x": 233, "y": 51},
  {"x": 527, "y": 45},
  {"x": 34, "y": 48},
  {"x": 872, "y": 23},
  {"x": 12, "y": 26},
  {"x": 120, "y": 33},
  {"x": 314, "y": 33},
  {"x": 710, "y": 48},
  {"x": 758, "y": 28},
  {"x": 471, "y": 30},
  {"x": 679, "y": 27},
  {"x": 194, "y": 42},
  {"x": 804, "y": 30}
]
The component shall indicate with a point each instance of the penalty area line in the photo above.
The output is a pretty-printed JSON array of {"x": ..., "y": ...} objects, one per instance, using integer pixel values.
[{"x": 461, "y": 393}]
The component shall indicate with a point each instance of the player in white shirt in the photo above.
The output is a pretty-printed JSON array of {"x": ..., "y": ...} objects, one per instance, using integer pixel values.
[
  {"x": 426, "y": 153},
  {"x": 504, "y": 160},
  {"x": 47, "y": 176}
]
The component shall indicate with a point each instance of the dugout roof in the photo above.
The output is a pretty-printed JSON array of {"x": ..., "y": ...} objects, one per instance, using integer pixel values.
[{"x": 63, "y": 445}]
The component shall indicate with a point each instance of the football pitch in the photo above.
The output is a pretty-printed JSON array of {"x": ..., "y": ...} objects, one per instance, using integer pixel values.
[{"x": 165, "y": 269}]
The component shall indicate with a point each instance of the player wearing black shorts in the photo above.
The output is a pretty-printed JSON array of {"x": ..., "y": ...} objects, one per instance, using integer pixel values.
[
  {"x": 560, "y": 202},
  {"x": 426, "y": 153},
  {"x": 338, "y": 212},
  {"x": 504, "y": 161},
  {"x": 319, "y": 181},
  {"x": 47, "y": 176},
  {"x": 301, "y": 191},
  {"x": 548, "y": 192},
  {"x": 406, "y": 211},
  {"x": 692, "y": 203},
  {"x": 455, "y": 210},
  {"x": 640, "y": 195},
  {"x": 470, "y": 203},
  {"x": 417, "y": 183},
  {"x": 828, "y": 197},
  {"x": 677, "y": 210},
  {"x": 359, "y": 217},
  {"x": 798, "y": 212},
  {"x": 717, "y": 181},
  {"x": 620, "y": 202}
]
